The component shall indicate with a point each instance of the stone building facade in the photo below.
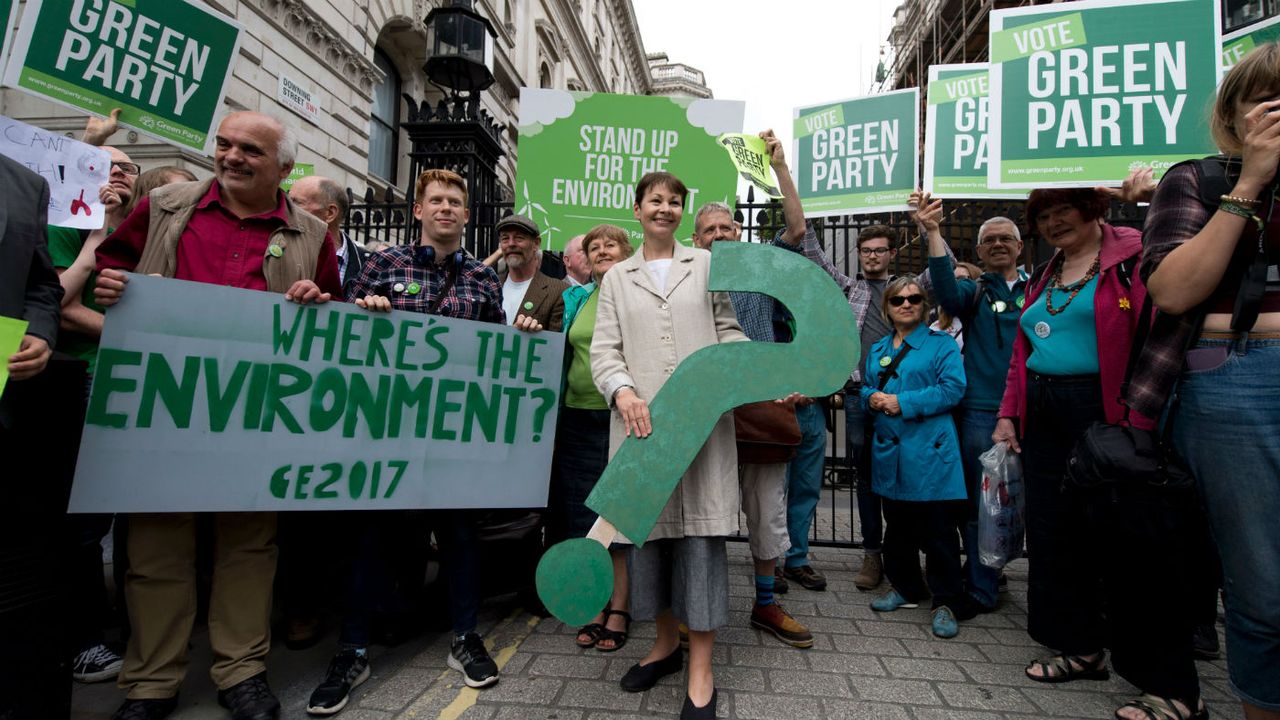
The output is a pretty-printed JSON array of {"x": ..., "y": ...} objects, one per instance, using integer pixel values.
[{"x": 359, "y": 60}]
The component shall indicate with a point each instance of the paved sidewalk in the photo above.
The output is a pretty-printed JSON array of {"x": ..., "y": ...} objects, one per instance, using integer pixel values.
[{"x": 863, "y": 665}]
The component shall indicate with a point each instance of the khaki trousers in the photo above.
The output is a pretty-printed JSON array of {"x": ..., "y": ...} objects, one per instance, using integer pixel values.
[{"x": 161, "y": 591}]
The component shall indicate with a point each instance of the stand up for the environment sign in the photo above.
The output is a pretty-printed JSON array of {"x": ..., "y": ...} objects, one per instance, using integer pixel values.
[
  {"x": 165, "y": 63},
  {"x": 957, "y": 146},
  {"x": 1237, "y": 44},
  {"x": 216, "y": 399},
  {"x": 582, "y": 153},
  {"x": 1082, "y": 92},
  {"x": 73, "y": 170},
  {"x": 858, "y": 156}
]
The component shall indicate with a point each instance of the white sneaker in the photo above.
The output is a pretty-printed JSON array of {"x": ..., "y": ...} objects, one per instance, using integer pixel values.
[{"x": 96, "y": 664}]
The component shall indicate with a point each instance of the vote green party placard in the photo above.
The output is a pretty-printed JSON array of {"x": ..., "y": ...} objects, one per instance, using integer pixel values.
[
  {"x": 299, "y": 171},
  {"x": 859, "y": 155},
  {"x": 208, "y": 398},
  {"x": 8, "y": 13},
  {"x": 165, "y": 63},
  {"x": 1238, "y": 43},
  {"x": 957, "y": 148},
  {"x": 1082, "y": 92},
  {"x": 581, "y": 154}
]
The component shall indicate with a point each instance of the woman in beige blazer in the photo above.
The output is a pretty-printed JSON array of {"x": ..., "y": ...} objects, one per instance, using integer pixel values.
[{"x": 654, "y": 311}]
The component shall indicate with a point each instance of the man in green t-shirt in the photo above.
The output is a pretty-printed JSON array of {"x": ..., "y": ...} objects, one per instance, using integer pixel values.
[{"x": 80, "y": 328}]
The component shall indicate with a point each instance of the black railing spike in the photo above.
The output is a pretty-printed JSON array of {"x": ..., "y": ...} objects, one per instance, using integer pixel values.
[
  {"x": 751, "y": 194},
  {"x": 368, "y": 196}
]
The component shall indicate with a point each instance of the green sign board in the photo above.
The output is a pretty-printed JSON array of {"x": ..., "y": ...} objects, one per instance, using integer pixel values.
[
  {"x": 957, "y": 145},
  {"x": 8, "y": 13},
  {"x": 300, "y": 170},
  {"x": 858, "y": 156},
  {"x": 165, "y": 63},
  {"x": 1082, "y": 92},
  {"x": 264, "y": 404},
  {"x": 581, "y": 155},
  {"x": 1238, "y": 43}
]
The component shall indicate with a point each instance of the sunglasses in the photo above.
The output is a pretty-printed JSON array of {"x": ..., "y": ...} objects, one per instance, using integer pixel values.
[
  {"x": 897, "y": 300},
  {"x": 127, "y": 168}
]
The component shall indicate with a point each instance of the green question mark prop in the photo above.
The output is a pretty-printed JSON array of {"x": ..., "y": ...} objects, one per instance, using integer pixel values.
[{"x": 575, "y": 577}]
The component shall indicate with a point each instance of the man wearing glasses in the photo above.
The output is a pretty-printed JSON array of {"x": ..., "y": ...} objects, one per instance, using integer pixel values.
[
  {"x": 877, "y": 247},
  {"x": 989, "y": 308}
]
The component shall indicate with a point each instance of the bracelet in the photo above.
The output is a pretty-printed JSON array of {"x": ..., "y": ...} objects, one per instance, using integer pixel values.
[
  {"x": 1242, "y": 201},
  {"x": 1237, "y": 210}
]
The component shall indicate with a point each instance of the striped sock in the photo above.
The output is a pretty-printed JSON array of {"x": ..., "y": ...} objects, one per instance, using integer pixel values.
[{"x": 764, "y": 589}]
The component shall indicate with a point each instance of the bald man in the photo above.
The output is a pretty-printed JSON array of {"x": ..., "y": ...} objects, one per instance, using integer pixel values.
[{"x": 326, "y": 199}]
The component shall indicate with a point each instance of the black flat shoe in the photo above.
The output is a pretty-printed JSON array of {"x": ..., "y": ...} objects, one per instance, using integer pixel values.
[
  {"x": 642, "y": 677},
  {"x": 693, "y": 712}
]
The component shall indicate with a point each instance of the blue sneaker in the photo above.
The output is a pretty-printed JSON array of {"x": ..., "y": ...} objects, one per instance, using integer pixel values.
[
  {"x": 944, "y": 623},
  {"x": 891, "y": 601}
]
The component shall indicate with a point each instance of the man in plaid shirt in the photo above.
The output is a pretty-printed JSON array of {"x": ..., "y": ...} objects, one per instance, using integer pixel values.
[{"x": 435, "y": 277}]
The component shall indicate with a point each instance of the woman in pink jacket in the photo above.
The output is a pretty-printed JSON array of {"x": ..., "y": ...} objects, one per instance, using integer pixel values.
[{"x": 1089, "y": 548}]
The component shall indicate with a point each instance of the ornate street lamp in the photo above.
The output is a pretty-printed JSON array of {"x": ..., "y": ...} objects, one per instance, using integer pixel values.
[{"x": 460, "y": 48}]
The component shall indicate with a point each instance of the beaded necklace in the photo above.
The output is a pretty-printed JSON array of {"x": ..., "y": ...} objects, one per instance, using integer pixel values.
[{"x": 1056, "y": 284}]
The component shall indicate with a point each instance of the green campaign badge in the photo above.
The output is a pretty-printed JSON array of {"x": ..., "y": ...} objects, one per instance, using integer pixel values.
[
  {"x": 886, "y": 361},
  {"x": 1021, "y": 302},
  {"x": 1082, "y": 93},
  {"x": 275, "y": 251},
  {"x": 414, "y": 288},
  {"x": 528, "y": 305}
]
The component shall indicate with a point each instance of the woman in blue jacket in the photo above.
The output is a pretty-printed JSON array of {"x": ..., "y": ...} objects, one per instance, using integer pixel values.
[{"x": 914, "y": 378}]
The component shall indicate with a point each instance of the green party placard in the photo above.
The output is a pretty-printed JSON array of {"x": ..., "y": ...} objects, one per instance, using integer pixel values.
[
  {"x": 209, "y": 398},
  {"x": 859, "y": 155},
  {"x": 1081, "y": 93},
  {"x": 957, "y": 145},
  {"x": 8, "y": 13},
  {"x": 299, "y": 171},
  {"x": 165, "y": 63},
  {"x": 11, "y": 332},
  {"x": 1238, "y": 43},
  {"x": 750, "y": 154},
  {"x": 581, "y": 154}
]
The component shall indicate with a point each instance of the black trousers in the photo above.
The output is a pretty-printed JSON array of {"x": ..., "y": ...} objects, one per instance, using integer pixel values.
[
  {"x": 931, "y": 527},
  {"x": 1108, "y": 565}
]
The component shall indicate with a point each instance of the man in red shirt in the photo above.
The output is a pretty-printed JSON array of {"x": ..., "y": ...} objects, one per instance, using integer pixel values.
[{"x": 240, "y": 230}]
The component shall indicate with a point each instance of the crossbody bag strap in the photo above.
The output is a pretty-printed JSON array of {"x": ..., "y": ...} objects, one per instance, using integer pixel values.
[
  {"x": 455, "y": 269},
  {"x": 892, "y": 368}
]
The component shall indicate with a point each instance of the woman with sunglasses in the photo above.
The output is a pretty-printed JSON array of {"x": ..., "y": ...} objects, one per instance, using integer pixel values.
[
  {"x": 1090, "y": 548},
  {"x": 912, "y": 380}
]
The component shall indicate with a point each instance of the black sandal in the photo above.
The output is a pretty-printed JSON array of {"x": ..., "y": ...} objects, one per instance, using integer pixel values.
[
  {"x": 591, "y": 630},
  {"x": 1065, "y": 669},
  {"x": 619, "y": 637},
  {"x": 1154, "y": 707}
]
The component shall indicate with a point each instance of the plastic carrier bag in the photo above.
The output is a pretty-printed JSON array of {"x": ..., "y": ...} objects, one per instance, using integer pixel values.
[{"x": 1001, "y": 527}]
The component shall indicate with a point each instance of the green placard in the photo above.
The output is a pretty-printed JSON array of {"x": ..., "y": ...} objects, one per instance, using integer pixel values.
[
  {"x": 165, "y": 63},
  {"x": 957, "y": 146},
  {"x": 1083, "y": 113},
  {"x": 8, "y": 13},
  {"x": 11, "y": 332},
  {"x": 1237, "y": 44},
  {"x": 209, "y": 398},
  {"x": 859, "y": 155},
  {"x": 750, "y": 154},
  {"x": 581, "y": 154},
  {"x": 300, "y": 170}
]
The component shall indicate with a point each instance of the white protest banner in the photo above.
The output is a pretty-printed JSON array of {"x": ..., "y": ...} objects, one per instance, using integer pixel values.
[
  {"x": 74, "y": 170},
  {"x": 209, "y": 398},
  {"x": 1084, "y": 92},
  {"x": 298, "y": 98},
  {"x": 858, "y": 156},
  {"x": 164, "y": 63}
]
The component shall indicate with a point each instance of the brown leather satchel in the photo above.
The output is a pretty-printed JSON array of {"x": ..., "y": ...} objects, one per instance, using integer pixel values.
[{"x": 768, "y": 432}]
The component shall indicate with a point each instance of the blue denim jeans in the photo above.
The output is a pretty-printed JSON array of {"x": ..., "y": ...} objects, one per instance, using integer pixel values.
[
  {"x": 976, "y": 427},
  {"x": 804, "y": 481},
  {"x": 1226, "y": 424},
  {"x": 855, "y": 437}
]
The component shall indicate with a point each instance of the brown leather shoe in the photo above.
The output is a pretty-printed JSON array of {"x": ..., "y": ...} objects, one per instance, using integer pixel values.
[
  {"x": 871, "y": 573},
  {"x": 772, "y": 618},
  {"x": 808, "y": 578}
]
